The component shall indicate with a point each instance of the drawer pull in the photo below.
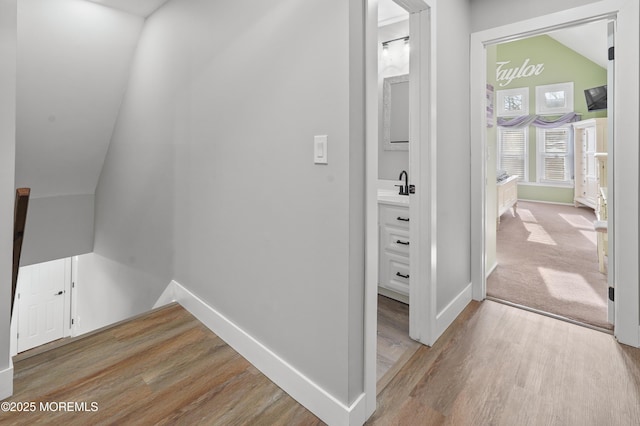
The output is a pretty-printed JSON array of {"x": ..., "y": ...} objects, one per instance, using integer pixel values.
[
  {"x": 404, "y": 219},
  {"x": 402, "y": 276},
  {"x": 404, "y": 243}
]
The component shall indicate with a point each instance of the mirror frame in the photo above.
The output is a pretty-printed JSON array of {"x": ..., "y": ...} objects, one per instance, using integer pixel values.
[{"x": 386, "y": 113}]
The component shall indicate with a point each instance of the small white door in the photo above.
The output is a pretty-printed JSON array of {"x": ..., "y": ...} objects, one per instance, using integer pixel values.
[{"x": 42, "y": 302}]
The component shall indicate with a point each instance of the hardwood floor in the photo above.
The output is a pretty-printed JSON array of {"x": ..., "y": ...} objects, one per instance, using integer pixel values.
[
  {"x": 395, "y": 347},
  {"x": 498, "y": 365},
  {"x": 495, "y": 365},
  {"x": 164, "y": 368}
]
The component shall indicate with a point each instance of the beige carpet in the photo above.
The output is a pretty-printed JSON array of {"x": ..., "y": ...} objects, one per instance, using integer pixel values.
[{"x": 547, "y": 260}]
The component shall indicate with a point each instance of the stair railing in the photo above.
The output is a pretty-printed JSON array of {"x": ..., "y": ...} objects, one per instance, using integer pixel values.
[{"x": 19, "y": 222}]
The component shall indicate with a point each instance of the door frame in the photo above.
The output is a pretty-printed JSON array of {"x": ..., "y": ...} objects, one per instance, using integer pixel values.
[
  {"x": 422, "y": 312},
  {"x": 68, "y": 310},
  {"x": 623, "y": 199}
]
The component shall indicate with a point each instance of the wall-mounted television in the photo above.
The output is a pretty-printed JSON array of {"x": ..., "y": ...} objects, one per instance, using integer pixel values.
[{"x": 596, "y": 98}]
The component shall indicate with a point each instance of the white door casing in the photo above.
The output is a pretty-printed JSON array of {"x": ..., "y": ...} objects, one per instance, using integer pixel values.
[
  {"x": 422, "y": 175},
  {"x": 611, "y": 29},
  {"x": 623, "y": 199},
  {"x": 43, "y": 303}
]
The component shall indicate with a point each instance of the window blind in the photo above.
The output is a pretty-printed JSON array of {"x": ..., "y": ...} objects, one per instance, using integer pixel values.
[
  {"x": 555, "y": 155},
  {"x": 513, "y": 152}
]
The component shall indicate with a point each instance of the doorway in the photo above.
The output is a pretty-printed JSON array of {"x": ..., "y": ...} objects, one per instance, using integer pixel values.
[
  {"x": 422, "y": 321},
  {"x": 44, "y": 305},
  {"x": 546, "y": 255},
  {"x": 623, "y": 198}
]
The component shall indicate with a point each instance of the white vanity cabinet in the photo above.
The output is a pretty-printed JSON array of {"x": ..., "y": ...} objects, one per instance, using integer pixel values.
[
  {"x": 589, "y": 138},
  {"x": 393, "y": 273}
]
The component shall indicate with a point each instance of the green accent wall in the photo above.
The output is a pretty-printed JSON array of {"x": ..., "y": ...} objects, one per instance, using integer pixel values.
[{"x": 561, "y": 65}]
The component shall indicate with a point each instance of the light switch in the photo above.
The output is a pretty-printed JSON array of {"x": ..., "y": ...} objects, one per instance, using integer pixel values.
[{"x": 320, "y": 149}]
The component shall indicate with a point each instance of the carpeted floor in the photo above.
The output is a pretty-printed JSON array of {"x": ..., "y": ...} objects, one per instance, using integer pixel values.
[{"x": 547, "y": 260}]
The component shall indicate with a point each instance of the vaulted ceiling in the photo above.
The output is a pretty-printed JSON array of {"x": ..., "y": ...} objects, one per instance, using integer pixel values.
[
  {"x": 73, "y": 65},
  {"x": 589, "y": 40},
  {"x": 142, "y": 8},
  {"x": 72, "y": 69}
]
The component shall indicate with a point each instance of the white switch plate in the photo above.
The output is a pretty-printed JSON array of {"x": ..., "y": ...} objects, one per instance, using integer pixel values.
[{"x": 320, "y": 149}]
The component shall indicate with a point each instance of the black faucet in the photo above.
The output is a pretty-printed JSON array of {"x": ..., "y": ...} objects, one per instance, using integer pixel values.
[{"x": 404, "y": 189}]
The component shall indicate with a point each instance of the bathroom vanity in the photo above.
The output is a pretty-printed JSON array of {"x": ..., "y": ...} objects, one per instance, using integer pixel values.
[{"x": 393, "y": 240}]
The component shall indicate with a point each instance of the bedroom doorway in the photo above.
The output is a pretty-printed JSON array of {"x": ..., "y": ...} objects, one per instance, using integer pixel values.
[{"x": 548, "y": 253}]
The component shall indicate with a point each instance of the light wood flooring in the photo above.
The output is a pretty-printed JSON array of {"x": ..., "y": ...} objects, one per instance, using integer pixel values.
[
  {"x": 395, "y": 347},
  {"x": 496, "y": 365}
]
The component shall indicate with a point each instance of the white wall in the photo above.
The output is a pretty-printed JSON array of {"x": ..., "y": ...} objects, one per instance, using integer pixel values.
[
  {"x": 487, "y": 14},
  {"x": 210, "y": 172},
  {"x": 7, "y": 163},
  {"x": 73, "y": 64},
  {"x": 491, "y": 165},
  {"x": 58, "y": 227},
  {"x": 105, "y": 293},
  {"x": 453, "y": 151},
  {"x": 396, "y": 62}
]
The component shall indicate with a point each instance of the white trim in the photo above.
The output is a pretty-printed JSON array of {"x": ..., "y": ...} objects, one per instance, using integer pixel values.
[
  {"x": 67, "y": 309},
  {"x": 74, "y": 295},
  {"x": 453, "y": 309},
  {"x": 13, "y": 330},
  {"x": 393, "y": 295},
  {"x": 297, "y": 385},
  {"x": 167, "y": 296},
  {"x": 6, "y": 381},
  {"x": 525, "y": 156},
  {"x": 423, "y": 173},
  {"x": 541, "y": 91},
  {"x": 547, "y": 202},
  {"x": 625, "y": 157},
  {"x": 493, "y": 268},
  {"x": 371, "y": 204},
  {"x": 503, "y": 93},
  {"x": 423, "y": 12},
  {"x": 547, "y": 185}
]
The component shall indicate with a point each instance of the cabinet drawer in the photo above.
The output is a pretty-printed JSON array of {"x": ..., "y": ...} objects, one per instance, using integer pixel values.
[
  {"x": 394, "y": 274},
  {"x": 394, "y": 216},
  {"x": 395, "y": 240}
]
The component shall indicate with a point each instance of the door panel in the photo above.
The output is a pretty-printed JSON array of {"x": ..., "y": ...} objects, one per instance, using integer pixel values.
[{"x": 41, "y": 302}]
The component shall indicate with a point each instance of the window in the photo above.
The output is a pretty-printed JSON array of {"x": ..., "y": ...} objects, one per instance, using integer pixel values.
[
  {"x": 512, "y": 152},
  {"x": 554, "y": 98},
  {"x": 513, "y": 102},
  {"x": 555, "y": 156}
]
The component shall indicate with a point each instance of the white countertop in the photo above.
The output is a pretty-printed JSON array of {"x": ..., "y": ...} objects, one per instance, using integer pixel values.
[{"x": 392, "y": 197}]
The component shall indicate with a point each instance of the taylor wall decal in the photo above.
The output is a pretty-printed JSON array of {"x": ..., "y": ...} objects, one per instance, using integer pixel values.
[{"x": 507, "y": 75}]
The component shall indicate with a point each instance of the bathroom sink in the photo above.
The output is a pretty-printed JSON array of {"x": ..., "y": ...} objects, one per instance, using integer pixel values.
[{"x": 392, "y": 197}]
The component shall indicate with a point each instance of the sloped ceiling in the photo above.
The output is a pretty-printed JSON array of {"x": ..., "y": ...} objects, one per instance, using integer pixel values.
[
  {"x": 73, "y": 66},
  {"x": 589, "y": 40},
  {"x": 142, "y": 8}
]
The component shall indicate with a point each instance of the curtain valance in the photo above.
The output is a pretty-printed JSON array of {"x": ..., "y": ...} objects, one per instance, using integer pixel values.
[{"x": 538, "y": 121}]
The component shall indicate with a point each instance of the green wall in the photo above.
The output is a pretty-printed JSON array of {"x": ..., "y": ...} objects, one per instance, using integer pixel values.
[
  {"x": 561, "y": 65},
  {"x": 491, "y": 190}
]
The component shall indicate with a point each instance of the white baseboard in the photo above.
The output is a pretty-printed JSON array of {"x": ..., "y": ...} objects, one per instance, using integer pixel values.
[
  {"x": 167, "y": 296},
  {"x": 292, "y": 381},
  {"x": 6, "y": 381},
  {"x": 557, "y": 203},
  {"x": 453, "y": 309},
  {"x": 493, "y": 268}
]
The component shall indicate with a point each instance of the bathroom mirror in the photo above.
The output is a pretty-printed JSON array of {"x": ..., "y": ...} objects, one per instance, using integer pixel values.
[{"x": 395, "y": 98}]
